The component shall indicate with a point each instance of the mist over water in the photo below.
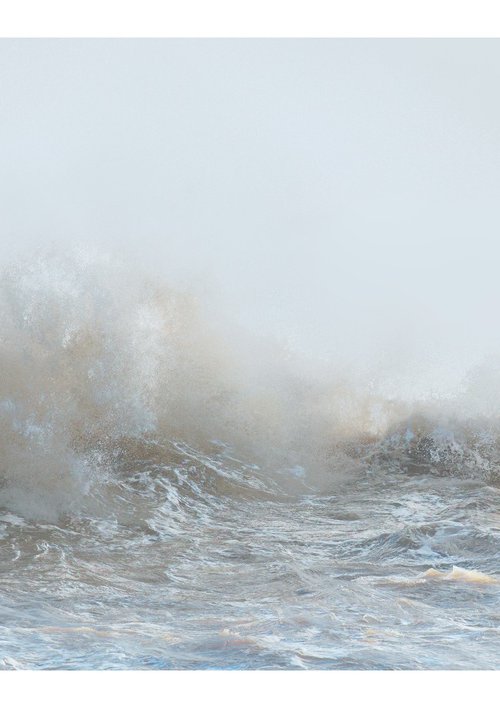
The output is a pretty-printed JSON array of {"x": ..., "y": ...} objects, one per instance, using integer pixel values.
[
  {"x": 178, "y": 494},
  {"x": 249, "y": 362}
]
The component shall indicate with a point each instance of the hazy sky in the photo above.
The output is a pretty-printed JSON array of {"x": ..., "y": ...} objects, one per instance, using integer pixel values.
[{"x": 343, "y": 193}]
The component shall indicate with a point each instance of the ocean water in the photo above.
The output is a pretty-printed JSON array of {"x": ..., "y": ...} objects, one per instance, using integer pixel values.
[{"x": 171, "y": 499}]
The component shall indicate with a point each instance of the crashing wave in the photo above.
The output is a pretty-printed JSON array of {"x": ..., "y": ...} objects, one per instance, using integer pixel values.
[{"x": 97, "y": 361}]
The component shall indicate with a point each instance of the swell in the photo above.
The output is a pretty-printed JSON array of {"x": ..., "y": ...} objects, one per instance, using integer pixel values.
[{"x": 100, "y": 365}]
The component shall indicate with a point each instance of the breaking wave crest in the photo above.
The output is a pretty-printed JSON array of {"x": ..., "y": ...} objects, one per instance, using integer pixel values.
[{"x": 100, "y": 365}]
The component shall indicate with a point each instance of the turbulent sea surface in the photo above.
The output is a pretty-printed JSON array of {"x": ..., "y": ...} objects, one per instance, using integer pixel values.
[{"x": 169, "y": 500}]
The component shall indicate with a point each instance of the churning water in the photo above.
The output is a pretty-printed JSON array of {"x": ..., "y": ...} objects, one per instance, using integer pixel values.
[{"x": 172, "y": 499}]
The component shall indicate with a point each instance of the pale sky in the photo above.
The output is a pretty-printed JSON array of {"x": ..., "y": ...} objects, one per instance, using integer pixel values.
[{"x": 343, "y": 194}]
